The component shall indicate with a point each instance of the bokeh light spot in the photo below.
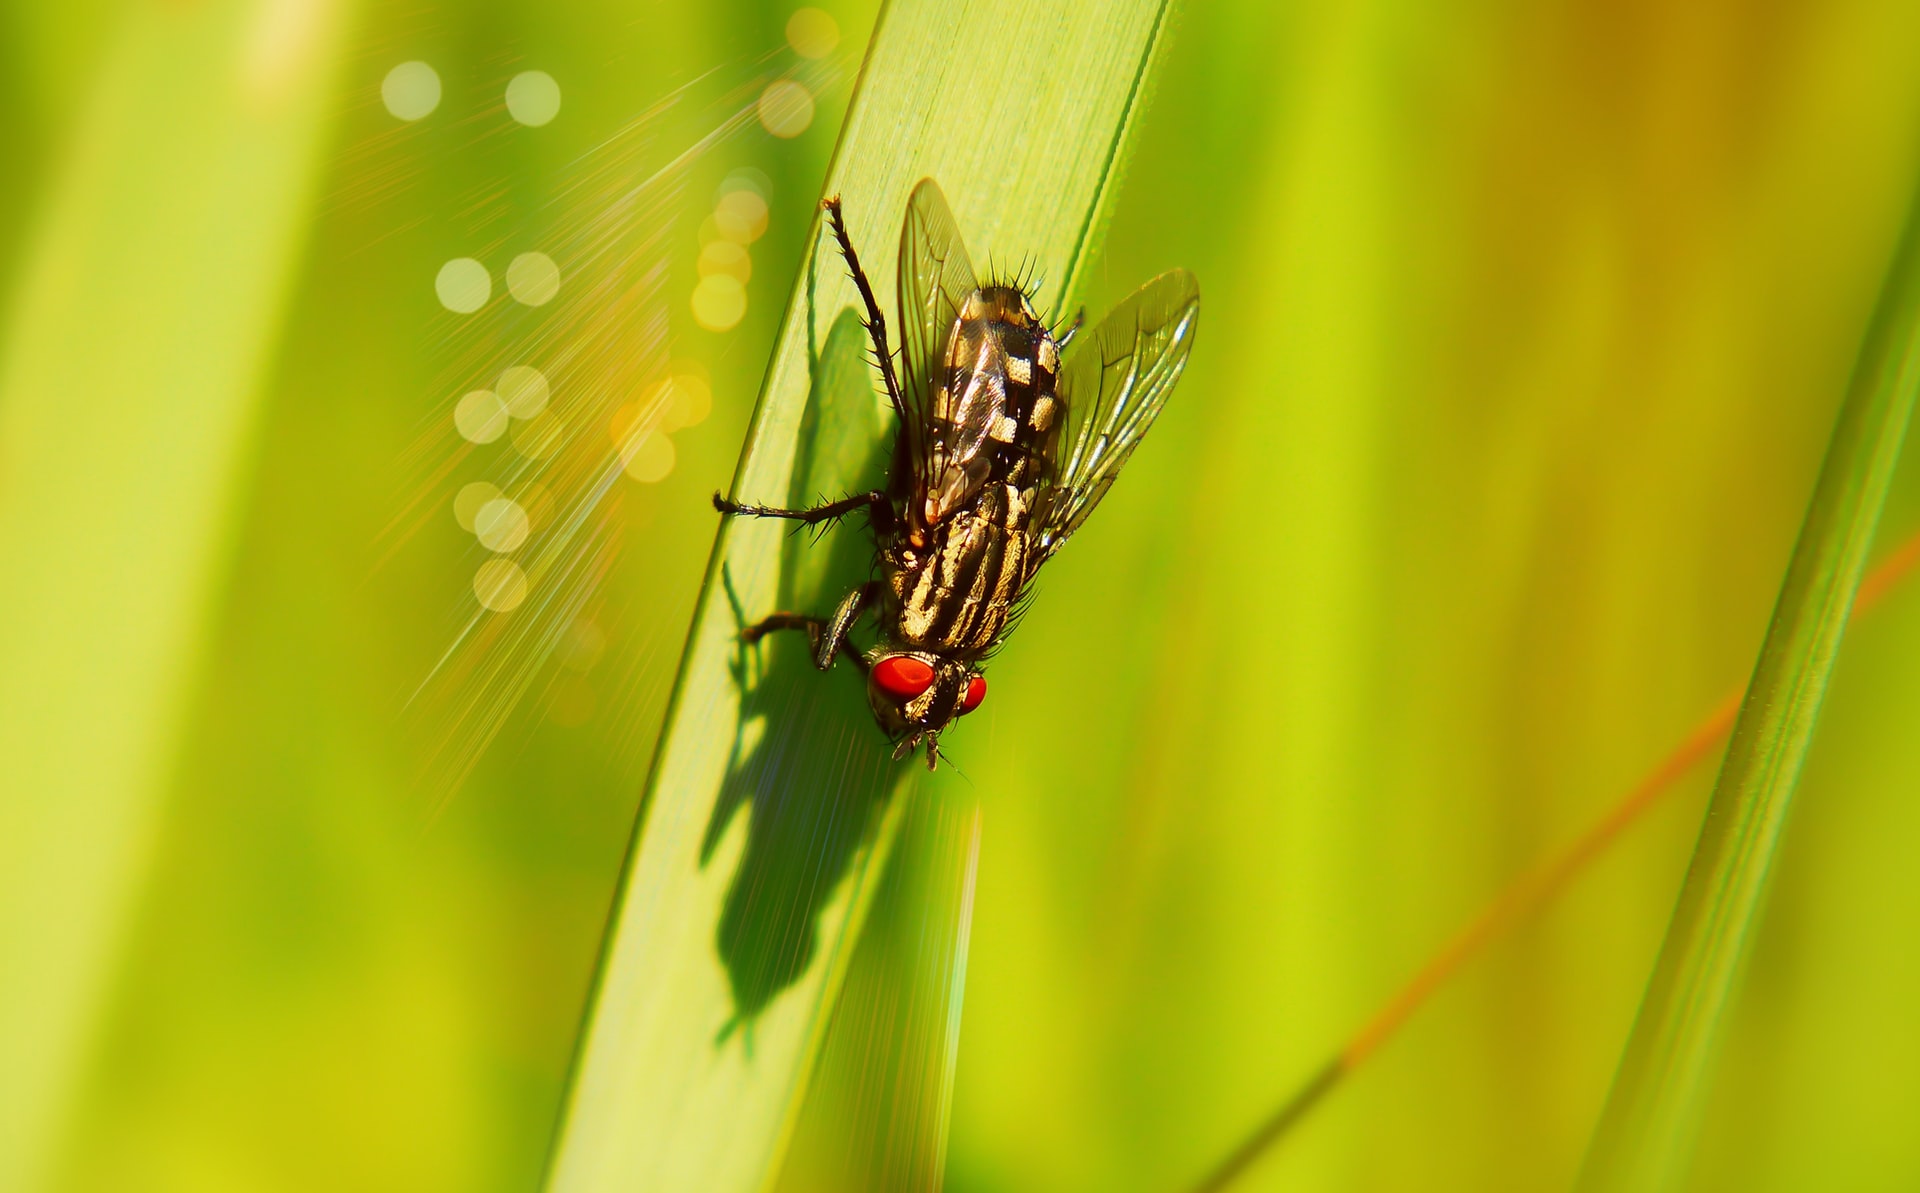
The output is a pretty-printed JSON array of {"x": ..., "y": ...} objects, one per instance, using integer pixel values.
[
  {"x": 623, "y": 426},
  {"x": 500, "y": 585},
  {"x": 741, "y": 216},
  {"x": 538, "y": 437},
  {"x": 533, "y": 279},
  {"x": 410, "y": 90},
  {"x": 463, "y": 285},
  {"x": 812, "y": 33},
  {"x": 719, "y": 302},
  {"x": 747, "y": 178},
  {"x": 686, "y": 401},
  {"x": 724, "y": 256},
  {"x": 501, "y": 525},
  {"x": 524, "y": 389},
  {"x": 533, "y": 98},
  {"x": 786, "y": 108},
  {"x": 650, "y": 459},
  {"x": 480, "y": 417},
  {"x": 467, "y": 502}
]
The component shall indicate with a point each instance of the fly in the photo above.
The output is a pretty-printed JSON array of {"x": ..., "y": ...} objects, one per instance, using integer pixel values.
[{"x": 1003, "y": 450}]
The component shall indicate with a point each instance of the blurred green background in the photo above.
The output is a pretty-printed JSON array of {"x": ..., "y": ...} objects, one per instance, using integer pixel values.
[{"x": 1523, "y": 329}]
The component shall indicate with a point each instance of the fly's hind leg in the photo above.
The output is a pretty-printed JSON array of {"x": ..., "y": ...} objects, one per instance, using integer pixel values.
[
  {"x": 876, "y": 322},
  {"x": 827, "y": 636}
]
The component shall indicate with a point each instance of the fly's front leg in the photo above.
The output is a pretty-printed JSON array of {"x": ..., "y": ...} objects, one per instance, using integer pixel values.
[
  {"x": 836, "y": 638},
  {"x": 876, "y": 322},
  {"x": 878, "y": 506},
  {"x": 826, "y": 636},
  {"x": 814, "y": 627}
]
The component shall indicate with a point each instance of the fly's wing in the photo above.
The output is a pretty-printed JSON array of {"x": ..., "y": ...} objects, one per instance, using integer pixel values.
[
  {"x": 1113, "y": 387},
  {"x": 935, "y": 279}
]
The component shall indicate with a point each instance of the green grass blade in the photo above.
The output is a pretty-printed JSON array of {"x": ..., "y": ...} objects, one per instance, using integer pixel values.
[
  {"x": 877, "y": 1110},
  {"x": 770, "y": 809},
  {"x": 1646, "y": 1130},
  {"x": 129, "y": 374}
]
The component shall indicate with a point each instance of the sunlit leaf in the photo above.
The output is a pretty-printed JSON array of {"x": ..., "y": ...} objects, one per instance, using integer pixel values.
[{"x": 773, "y": 803}]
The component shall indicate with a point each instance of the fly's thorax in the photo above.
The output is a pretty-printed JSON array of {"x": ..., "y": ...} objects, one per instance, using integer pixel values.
[{"x": 955, "y": 595}]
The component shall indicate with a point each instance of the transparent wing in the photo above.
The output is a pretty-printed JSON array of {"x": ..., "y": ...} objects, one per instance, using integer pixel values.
[
  {"x": 935, "y": 279},
  {"x": 1113, "y": 387}
]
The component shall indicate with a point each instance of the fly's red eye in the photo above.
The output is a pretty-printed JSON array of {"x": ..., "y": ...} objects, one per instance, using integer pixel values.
[
  {"x": 902, "y": 677},
  {"x": 976, "y": 692}
]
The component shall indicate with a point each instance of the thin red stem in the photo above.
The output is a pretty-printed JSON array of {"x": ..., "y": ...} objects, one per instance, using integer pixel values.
[{"x": 1526, "y": 894}]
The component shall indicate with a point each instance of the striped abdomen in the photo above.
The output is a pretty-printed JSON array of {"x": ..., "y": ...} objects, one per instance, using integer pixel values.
[{"x": 998, "y": 413}]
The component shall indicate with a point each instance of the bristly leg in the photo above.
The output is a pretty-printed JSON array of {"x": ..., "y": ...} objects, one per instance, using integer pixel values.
[
  {"x": 876, "y": 322},
  {"x": 826, "y": 636},
  {"x": 878, "y": 506},
  {"x": 841, "y": 624},
  {"x": 1079, "y": 317},
  {"x": 816, "y": 629}
]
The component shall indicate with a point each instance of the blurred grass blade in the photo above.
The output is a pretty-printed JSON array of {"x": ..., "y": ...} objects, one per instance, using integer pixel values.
[
  {"x": 1525, "y": 896},
  {"x": 1644, "y": 1138},
  {"x": 770, "y": 804},
  {"x": 876, "y": 1112},
  {"x": 145, "y": 312}
]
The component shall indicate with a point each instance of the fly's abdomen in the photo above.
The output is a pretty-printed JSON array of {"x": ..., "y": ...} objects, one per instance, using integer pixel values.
[{"x": 997, "y": 416}]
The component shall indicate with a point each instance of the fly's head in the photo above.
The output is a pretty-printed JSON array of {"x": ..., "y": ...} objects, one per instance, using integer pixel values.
[{"x": 915, "y": 695}]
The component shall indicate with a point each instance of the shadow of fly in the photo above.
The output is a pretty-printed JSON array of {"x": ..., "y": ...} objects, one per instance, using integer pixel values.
[{"x": 1004, "y": 447}]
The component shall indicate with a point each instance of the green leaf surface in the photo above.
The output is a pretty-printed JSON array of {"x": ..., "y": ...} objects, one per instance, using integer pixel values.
[
  {"x": 773, "y": 806},
  {"x": 876, "y": 1113},
  {"x": 1646, "y": 1133},
  {"x": 129, "y": 377}
]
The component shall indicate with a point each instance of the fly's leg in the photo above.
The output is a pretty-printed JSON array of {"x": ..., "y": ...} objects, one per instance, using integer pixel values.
[
  {"x": 879, "y": 510},
  {"x": 911, "y": 742},
  {"x": 876, "y": 322},
  {"x": 827, "y": 636},
  {"x": 1079, "y": 317},
  {"x": 814, "y": 626},
  {"x": 819, "y": 638},
  {"x": 848, "y": 612}
]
